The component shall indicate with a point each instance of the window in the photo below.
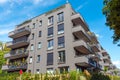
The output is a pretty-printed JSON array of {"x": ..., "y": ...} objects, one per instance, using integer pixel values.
[
  {"x": 33, "y": 25},
  {"x": 40, "y": 23},
  {"x": 50, "y": 20},
  {"x": 39, "y": 45},
  {"x": 61, "y": 42},
  {"x": 50, "y": 59},
  {"x": 50, "y": 44},
  {"x": 50, "y": 31},
  {"x": 50, "y": 71},
  {"x": 61, "y": 58},
  {"x": 37, "y": 71},
  {"x": 32, "y": 47},
  {"x": 64, "y": 69},
  {"x": 40, "y": 33},
  {"x": 60, "y": 28},
  {"x": 32, "y": 36},
  {"x": 30, "y": 60},
  {"x": 60, "y": 17},
  {"x": 38, "y": 58}
]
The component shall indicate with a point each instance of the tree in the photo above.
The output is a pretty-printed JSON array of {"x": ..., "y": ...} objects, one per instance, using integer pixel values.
[
  {"x": 3, "y": 50},
  {"x": 111, "y": 10}
]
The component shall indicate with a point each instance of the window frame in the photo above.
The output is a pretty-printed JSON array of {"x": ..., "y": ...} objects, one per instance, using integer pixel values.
[
  {"x": 60, "y": 30},
  {"x": 61, "y": 42},
  {"x": 51, "y": 20},
  {"x": 50, "y": 35},
  {"x": 50, "y": 44},
  {"x": 60, "y": 17},
  {"x": 50, "y": 59}
]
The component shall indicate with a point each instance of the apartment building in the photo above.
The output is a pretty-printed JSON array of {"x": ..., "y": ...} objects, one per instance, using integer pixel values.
[{"x": 56, "y": 40}]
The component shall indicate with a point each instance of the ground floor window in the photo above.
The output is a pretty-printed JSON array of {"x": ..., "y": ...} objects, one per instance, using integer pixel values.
[{"x": 64, "y": 69}]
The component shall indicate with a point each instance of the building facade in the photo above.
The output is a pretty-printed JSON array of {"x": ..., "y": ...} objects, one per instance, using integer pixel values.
[{"x": 57, "y": 40}]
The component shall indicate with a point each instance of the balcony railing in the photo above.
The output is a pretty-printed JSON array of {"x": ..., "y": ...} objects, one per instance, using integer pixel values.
[
  {"x": 19, "y": 32},
  {"x": 95, "y": 57},
  {"x": 98, "y": 66},
  {"x": 14, "y": 67},
  {"x": 17, "y": 54},
  {"x": 82, "y": 47},
  {"x": 92, "y": 62},
  {"x": 80, "y": 33},
  {"x": 78, "y": 20},
  {"x": 93, "y": 37},
  {"x": 94, "y": 47},
  {"x": 20, "y": 66},
  {"x": 18, "y": 43}
]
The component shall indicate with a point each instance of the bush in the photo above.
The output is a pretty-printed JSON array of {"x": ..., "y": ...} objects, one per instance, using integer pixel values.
[{"x": 97, "y": 76}]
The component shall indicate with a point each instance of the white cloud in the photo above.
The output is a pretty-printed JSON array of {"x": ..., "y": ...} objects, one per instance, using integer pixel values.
[
  {"x": 98, "y": 35},
  {"x": 4, "y": 31},
  {"x": 117, "y": 63},
  {"x": 81, "y": 6},
  {"x": 3, "y": 1},
  {"x": 37, "y": 1}
]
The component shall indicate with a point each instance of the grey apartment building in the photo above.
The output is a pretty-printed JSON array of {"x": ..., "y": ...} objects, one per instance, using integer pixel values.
[{"x": 56, "y": 40}]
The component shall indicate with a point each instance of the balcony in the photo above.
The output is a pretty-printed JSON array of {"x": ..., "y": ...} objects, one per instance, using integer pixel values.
[
  {"x": 80, "y": 33},
  {"x": 84, "y": 62},
  {"x": 17, "y": 54},
  {"x": 98, "y": 66},
  {"x": 78, "y": 20},
  {"x": 82, "y": 47},
  {"x": 95, "y": 57},
  {"x": 22, "y": 66},
  {"x": 93, "y": 37},
  {"x": 5, "y": 67},
  {"x": 106, "y": 57},
  {"x": 18, "y": 43},
  {"x": 95, "y": 47},
  {"x": 104, "y": 53},
  {"x": 20, "y": 32},
  {"x": 106, "y": 64}
]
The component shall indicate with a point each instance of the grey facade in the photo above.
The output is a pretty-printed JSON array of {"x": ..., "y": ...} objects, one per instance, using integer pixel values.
[{"x": 57, "y": 40}]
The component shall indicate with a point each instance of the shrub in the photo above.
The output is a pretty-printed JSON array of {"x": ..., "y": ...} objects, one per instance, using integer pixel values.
[
  {"x": 37, "y": 77},
  {"x": 97, "y": 76}
]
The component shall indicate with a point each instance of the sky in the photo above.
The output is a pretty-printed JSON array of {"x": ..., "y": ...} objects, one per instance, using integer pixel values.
[{"x": 14, "y": 12}]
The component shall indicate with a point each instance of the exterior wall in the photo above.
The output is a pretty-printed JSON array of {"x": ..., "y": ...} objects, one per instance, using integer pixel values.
[{"x": 44, "y": 38}]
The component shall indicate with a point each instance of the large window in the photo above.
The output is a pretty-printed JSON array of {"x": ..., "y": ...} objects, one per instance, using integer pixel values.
[
  {"x": 50, "y": 20},
  {"x": 39, "y": 45},
  {"x": 61, "y": 42},
  {"x": 60, "y": 28},
  {"x": 50, "y": 31},
  {"x": 30, "y": 61},
  {"x": 50, "y": 59},
  {"x": 40, "y": 33},
  {"x": 61, "y": 17},
  {"x": 38, "y": 58},
  {"x": 32, "y": 47},
  {"x": 50, "y": 44},
  {"x": 61, "y": 58}
]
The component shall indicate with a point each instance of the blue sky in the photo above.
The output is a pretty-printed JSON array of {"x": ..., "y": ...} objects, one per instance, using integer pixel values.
[{"x": 13, "y": 12}]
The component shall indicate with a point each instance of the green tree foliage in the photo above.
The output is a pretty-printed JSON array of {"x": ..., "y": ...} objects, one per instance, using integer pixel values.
[
  {"x": 3, "y": 50},
  {"x": 111, "y": 10}
]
